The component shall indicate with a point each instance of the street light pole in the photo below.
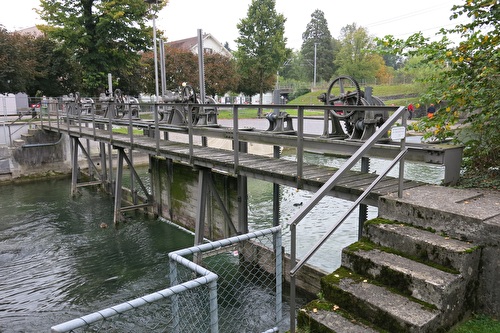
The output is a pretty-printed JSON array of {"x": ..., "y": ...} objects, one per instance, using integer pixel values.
[
  {"x": 315, "y": 44},
  {"x": 156, "y": 58},
  {"x": 157, "y": 93}
]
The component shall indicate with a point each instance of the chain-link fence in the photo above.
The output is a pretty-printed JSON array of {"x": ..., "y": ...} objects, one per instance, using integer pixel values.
[{"x": 232, "y": 285}]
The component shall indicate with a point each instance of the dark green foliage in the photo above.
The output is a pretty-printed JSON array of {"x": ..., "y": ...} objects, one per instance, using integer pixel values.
[
  {"x": 317, "y": 33},
  {"x": 102, "y": 37},
  {"x": 261, "y": 47}
]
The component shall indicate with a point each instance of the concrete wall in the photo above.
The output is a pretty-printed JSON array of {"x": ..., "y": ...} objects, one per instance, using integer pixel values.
[
  {"x": 35, "y": 154},
  {"x": 176, "y": 192}
]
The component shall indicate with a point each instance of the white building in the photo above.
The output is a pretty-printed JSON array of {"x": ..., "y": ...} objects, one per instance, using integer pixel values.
[{"x": 210, "y": 45}]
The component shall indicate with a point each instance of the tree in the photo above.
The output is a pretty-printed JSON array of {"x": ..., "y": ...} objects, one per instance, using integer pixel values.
[
  {"x": 55, "y": 72},
  {"x": 104, "y": 36},
  {"x": 261, "y": 46},
  {"x": 355, "y": 57},
  {"x": 29, "y": 64},
  {"x": 220, "y": 74},
  {"x": 182, "y": 66},
  {"x": 468, "y": 80},
  {"x": 17, "y": 64},
  {"x": 317, "y": 33}
]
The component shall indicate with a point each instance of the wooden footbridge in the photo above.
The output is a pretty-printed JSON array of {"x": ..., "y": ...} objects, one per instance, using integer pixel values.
[
  {"x": 155, "y": 138},
  {"x": 152, "y": 137}
]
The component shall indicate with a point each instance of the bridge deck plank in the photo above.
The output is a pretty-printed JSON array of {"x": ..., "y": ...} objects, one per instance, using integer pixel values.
[{"x": 280, "y": 171}]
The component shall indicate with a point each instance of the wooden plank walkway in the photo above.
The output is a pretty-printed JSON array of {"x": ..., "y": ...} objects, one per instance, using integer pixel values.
[{"x": 280, "y": 171}]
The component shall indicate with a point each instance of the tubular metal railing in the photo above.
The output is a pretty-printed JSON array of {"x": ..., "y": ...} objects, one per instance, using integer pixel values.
[
  {"x": 155, "y": 126},
  {"x": 326, "y": 188}
]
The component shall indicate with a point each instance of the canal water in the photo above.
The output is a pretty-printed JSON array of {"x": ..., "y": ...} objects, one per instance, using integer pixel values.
[
  {"x": 328, "y": 211},
  {"x": 58, "y": 263}
]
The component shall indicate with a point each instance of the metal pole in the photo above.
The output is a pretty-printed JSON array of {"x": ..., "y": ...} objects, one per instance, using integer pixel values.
[
  {"x": 402, "y": 161},
  {"x": 201, "y": 66},
  {"x": 163, "y": 80},
  {"x": 279, "y": 274},
  {"x": 157, "y": 93},
  {"x": 363, "y": 208},
  {"x": 293, "y": 262},
  {"x": 201, "y": 78},
  {"x": 110, "y": 84},
  {"x": 214, "y": 313},
  {"x": 315, "y": 44},
  {"x": 276, "y": 191}
]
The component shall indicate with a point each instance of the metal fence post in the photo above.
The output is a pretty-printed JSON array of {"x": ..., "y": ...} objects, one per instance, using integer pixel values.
[
  {"x": 279, "y": 275},
  {"x": 214, "y": 312},
  {"x": 175, "y": 299}
]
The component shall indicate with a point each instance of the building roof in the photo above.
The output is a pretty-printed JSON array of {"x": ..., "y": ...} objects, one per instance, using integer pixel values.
[
  {"x": 209, "y": 42},
  {"x": 34, "y": 31}
]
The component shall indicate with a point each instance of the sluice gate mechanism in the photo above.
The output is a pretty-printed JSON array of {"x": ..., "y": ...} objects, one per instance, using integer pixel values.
[
  {"x": 359, "y": 124},
  {"x": 172, "y": 112}
]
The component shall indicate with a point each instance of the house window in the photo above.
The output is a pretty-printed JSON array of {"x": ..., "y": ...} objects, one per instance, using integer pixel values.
[{"x": 208, "y": 50}]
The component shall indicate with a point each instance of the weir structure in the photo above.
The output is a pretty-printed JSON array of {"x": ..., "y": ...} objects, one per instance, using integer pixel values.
[
  {"x": 222, "y": 173},
  {"x": 180, "y": 115}
]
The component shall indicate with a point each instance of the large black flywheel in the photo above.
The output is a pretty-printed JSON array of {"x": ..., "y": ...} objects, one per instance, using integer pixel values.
[{"x": 344, "y": 90}]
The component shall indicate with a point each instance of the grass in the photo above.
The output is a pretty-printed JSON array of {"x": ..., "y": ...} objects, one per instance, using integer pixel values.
[
  {"x": 124, "y": 130},
  {"x": 478, "y": 324},
  {"x": 312, "y": 99}
]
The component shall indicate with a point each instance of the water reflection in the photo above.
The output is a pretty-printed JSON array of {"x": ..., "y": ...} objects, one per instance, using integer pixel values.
[
  {"x": 328, "y": 211},
  {"x": 58, "y": 263}
]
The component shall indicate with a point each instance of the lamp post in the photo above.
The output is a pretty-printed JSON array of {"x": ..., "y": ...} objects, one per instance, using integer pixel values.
[
  {"x": 315, "y": 44},
  {"x": 151, "y": 2}
]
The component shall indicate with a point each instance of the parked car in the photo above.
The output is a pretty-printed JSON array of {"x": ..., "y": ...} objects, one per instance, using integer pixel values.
[{"x": 35, "y": 107}]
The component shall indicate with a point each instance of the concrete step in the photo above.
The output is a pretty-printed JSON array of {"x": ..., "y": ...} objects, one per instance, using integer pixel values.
[
  {"x": 425, "y": 283},
  {"x": 330, "y": 321},
  {"x": 425, "y": 245},
  {"x": 28, "y": 138},
  {"x": 33, "y": 131},
  {"x": 459, "y": 213},
  {"x": 378, "y": 305},
  {"x": 18, "y": 142}
]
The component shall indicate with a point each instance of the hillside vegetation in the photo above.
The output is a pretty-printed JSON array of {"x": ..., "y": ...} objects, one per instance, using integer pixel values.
[{"x": 401, "y": 94}]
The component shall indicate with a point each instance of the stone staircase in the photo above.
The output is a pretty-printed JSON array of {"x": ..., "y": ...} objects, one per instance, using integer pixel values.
[{"x": 398, "y": 278}]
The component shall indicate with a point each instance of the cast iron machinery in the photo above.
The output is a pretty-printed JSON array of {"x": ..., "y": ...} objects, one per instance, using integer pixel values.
[
  {"x": 118, "y": 105},
  {"x": 183, "y": 106},
  {"x": 359, "y": 124}
]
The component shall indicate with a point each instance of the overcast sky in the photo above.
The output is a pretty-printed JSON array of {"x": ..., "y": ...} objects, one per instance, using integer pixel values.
[{"x": 182, "y": 18}]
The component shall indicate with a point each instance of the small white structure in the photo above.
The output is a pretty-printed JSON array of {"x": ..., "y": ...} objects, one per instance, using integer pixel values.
[
  {"x": 267, "y": 98},
  {"x": 12, "y": 105},
  {"x": 8, "y": 105}
]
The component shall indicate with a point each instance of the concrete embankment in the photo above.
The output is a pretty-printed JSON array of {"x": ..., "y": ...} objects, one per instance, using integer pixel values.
[{"x": 429, "y": 260}]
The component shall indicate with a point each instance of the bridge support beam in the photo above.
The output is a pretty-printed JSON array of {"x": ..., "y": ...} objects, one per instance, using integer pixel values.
[
  {"x": 134, "y": 177},
  {"x": 117, "y": 216},
  {"x": 202, "y": 198},
  {"x": 75, "y": 169},
  {"x": 242, "y": 205},
  {"x": 74, "y": 165},
  {"x": 206, "y": 191}
]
